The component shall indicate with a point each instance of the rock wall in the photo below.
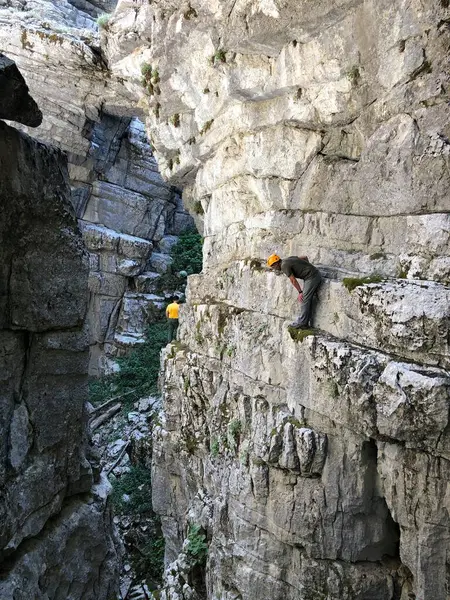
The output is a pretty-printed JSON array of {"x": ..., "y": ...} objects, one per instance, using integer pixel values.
[
  {"x": 57, "y": 537},
  {"x": 317, "y": 468},
  {"x": 114, "y": 176}
]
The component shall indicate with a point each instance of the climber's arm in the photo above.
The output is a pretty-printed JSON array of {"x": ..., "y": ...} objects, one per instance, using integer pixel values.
[{"x": 295, "y": 283}]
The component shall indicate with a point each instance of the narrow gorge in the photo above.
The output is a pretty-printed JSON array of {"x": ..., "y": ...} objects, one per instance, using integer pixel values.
[{"x": 285, "y": 464}]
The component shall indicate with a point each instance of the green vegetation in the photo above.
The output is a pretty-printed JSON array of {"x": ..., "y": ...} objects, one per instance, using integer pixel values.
[
  {"x": 377, "y": 255},
  {"x": 214, "y": 448},
  {"x": 191, "y": 443},
  {"x": 137, "y": 485},
  {"x": 131, "y": 496},
  {"x": 187, "y": 257},
  {"x": 150, "y": 79},
  {"x": 197, "y": 548},
  {"x": 235, "y": 428},
  {"x": 103, "y": 20},
  {"x": 198, "y": 208},
  {"x": 219, "y": 56},
  {"x": 354, "y": 74},
  {"x": 138, "y": 375},
  {"x": 149, "y": 562},
  {"x": 353, "y": 282},
  {"x": 206, "y": 90},
  {"x": 294, "y": 421},
  {"x": 298, "y": 335},
  {"x": 191, "y": 13},
  {"x": 206, "y": 126},
  {"x": 175, "y": 120}
]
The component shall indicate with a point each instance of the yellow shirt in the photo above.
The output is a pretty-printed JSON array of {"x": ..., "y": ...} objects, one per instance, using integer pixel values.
[{"x": 172, "y": 310}]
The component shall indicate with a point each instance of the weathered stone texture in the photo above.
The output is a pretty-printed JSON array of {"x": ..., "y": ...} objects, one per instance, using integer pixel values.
[
  {"x": 316, "y": 469},
  {"x": 113, "y": 172},
  {"x": 47, "y": 514}
]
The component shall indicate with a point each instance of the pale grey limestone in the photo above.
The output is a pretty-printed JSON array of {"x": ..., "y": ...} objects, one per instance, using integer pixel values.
[
  {"x": 92, "y": 116},
  {"x": 316, "y": 468}
]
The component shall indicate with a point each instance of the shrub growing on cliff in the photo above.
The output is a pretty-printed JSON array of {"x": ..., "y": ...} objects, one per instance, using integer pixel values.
[
  {"x": 103, "y": 20},
  {"x": 187, "y": 257},
  {"x": 197, "y": 548}
]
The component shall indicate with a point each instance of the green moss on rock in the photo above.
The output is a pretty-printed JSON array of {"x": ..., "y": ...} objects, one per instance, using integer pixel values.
[
  {"x": 298, "y": 335},
  {"x": 353, "y": 282}
]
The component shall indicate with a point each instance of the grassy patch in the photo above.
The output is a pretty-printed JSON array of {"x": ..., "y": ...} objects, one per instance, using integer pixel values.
[
  {"x": 298, "y": 335},
  {"x": 354, "y": 75},
  {"x": 353, "y": 282},
  {"x": 150, "y": 78},
  {"x": 377, "y": 255},
  {"x": 214, "y": 448}
]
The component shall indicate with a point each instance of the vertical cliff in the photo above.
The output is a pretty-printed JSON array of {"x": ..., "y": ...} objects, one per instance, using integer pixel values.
[
  {"x": 129, "y": 215},
  {"x": 56, "y": 532},
  {"x": 315, "y": 467}
]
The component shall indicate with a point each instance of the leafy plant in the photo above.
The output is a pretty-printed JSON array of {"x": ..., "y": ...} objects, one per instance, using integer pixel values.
[
  {"x": 187, "y": 253},
  {"x": 150, "y": 78},
  {"x": 198, "y": 208},
  {"x": 354, "y": 74},
  {"x": 219, "y": 56},
  {"x": 197, "y": 548},
  {"x": 148, "y": 562},
  {"x": 103, "y": 20}
]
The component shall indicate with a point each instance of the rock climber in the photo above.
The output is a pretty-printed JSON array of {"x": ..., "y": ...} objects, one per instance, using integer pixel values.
[
  {"x": 299, "y": 267},
  {"x": 172, "y": 318}
]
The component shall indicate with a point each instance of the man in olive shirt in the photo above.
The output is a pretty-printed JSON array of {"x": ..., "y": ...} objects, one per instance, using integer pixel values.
[{"x": 299, "y": 267}]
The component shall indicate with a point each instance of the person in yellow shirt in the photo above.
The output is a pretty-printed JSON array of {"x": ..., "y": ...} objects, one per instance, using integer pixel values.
[{"x": 172, "y": 318}]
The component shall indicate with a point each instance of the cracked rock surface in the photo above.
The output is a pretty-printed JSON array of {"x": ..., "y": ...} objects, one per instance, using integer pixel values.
[
  {"x": 116, "y": 188},
  {"x": 56, "y": 537},
  {"x": 317, "y": 468}
]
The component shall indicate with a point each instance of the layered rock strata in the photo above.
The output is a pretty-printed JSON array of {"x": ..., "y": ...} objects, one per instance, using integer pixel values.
[
  {"x": 113, "y": 173},
  {"x": 316, "y": 468},
  {"x": 57, "y": 538}
]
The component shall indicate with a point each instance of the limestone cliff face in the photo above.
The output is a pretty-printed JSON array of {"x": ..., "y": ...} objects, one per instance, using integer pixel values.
[
  {"x": 129, "y": 215},
  {"x": 56, "y": 532},
  {"x": 318, "y": 469}
]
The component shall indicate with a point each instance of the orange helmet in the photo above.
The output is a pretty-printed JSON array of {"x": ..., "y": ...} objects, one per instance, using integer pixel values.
[{"x": 273, "y": 258}]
